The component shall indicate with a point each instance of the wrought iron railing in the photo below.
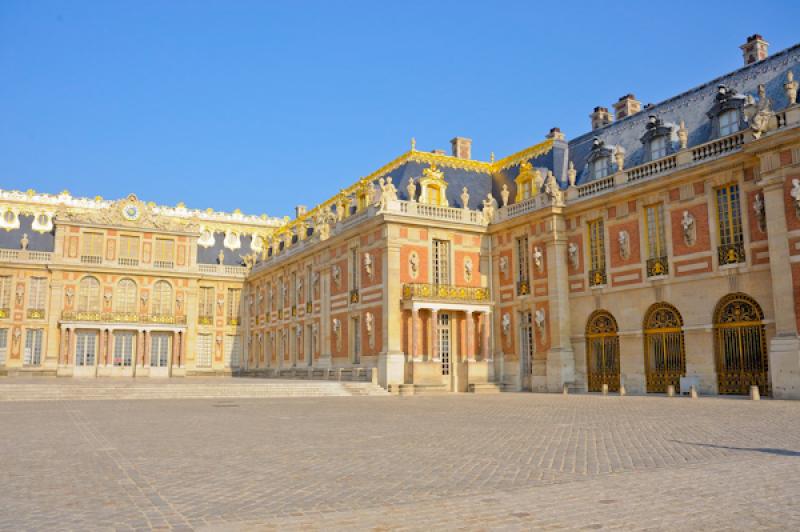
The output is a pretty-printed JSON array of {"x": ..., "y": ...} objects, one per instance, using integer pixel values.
[
  {"x": 122, "y": 317},
  {"x": 523, "y": 288},
  {"x": 205, "y": 320},
  {"x": 597, "y": 277},
  {"x": 657, "y": 266},
  {"x": 445, "y": 292},
  {"x": 35, "y": 313},
  {"x": 731, "y": 253},
  {"x": 354, "y": 296}
]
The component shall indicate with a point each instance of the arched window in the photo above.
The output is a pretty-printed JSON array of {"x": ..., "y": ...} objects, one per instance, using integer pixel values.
[
  {"x": 665, "y": 356},
  {"x": 162, "y": 299},
  {"x": 740, "y": 345},
  {"x": 602, "y": 351},
  {"x": 125, "y": 297},
  {"x": 89, "y": 295}
]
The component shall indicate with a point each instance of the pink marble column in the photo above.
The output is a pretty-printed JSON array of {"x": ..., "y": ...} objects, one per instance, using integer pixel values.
[
  {"x": 470, "y": 335},
  {"x": 62, "y": 358},
  {"x": 485, "y": 327},
  {"x": 416, "y": 335},
  {"x": 434, "y": 335}
]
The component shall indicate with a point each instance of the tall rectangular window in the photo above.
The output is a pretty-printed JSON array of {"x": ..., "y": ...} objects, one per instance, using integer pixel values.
[
  {"x": 3, "y": 346},
  {"x": 37, "y": 293},
  {"x": 204, "y": 346},
  {"x": 33, "y": 347},
  {"x": 124, "y": 342},
  {"x": 309, "y": 284},
  {"x": 356, "y": 335},
  {"x": 441, "y": 262},
  {"x": 5, "y": 295},
  {"x": 354, "y": 268},
  {"x": 164, "y": 253},
  {"x": 728, "y": 122},
  {"x": 729, "y": 225},
  {"x": 527, "y": 343},
  {"x": 128, "y": 250},
  {"x": 293, "y": 292},
  {"x": 234, "y": 296},
  {"x": 206, "y": 310},
  {"x": 656, "y": 240},
  {"x": 522, "y": 259},
  {"x": 232, "y": 350},
  {"x": 92, "y": 248},
  {"x": 597, "y": 253}
]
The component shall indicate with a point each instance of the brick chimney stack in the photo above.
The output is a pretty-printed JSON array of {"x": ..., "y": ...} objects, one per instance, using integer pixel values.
[
  {"x": 626, "y": 106},
  {"x": 600, "y": 117},
  {"x": 755, "y": 49},
  {"x": 300, "y": 210},
  {"x": 462, "y": 147}
]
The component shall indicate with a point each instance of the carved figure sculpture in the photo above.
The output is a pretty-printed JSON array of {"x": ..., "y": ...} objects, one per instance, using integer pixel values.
[
  {"x": 368, "y": 265},
  {"x": 688, "y": 225},
  {"x": 683, "y": 135},
  {"x": 336, "y": 274},
  {"x": 411, "y": 188},
  {"x": 572, "y": 174},
  {"x": 551, "y": 188},
  {"x": 337, "y": 332},
  {"x": 506, "y": 325},
  {"x": 572, "y": 254},
  {"x": 539, "y": 318},
  {"x": 464, "y": 198},
  {"x": 504, "y": 266},
  {"x": 760, "y": 113},
  {"x": 468, "y": 269},
  {"x": 221, "y": 257},
  {"x": 619, "y": 158},
  {"x": 758, "y": 209},
  {"x": 504, "y": 195},
  {"x": 795, "y": 193},
  {"x": 489, "y": 206},
  {"x": 538, "y": 259},
  {"x": 369, "y": 323},
  {"x": 790, "y": 88},
  {"x": 23, "y": 242},
  {"x": 624, "y": 245}
]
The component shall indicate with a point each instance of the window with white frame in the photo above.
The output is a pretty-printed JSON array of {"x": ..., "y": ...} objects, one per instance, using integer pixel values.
[
  {"x": 441, "y": 262},
  {"x": 89, "y": 295},
  {"x": 85, "y": 348},
  {"x": 162, "y": 299},
  {"x": 37, "y": 293},
  {"x": 234, "y": 296},
  {"x": 164, "y": 253},
  {"x": 33, "y": 347},
  {"x": 522, "y": 259},
  {"x": 729, "y": 122},
  {"x": 92, "y": 248},
  {"x": 124, "y": 348},
  {"x": 125, "y": 296},
  {"x": 129, "y": 250},
  {"x": 204, "y": 346},
  {"x": 600, "y": 168},
  {"x": 206, "y": 309},
  {"x": 658, "y": 148},
  {"x": 3, "y": 346},
  {"x": 5, "y": 292}
]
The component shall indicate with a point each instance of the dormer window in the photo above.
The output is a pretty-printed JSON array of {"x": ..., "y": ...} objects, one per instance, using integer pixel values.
[
  {"x": 600, "y": 168},
  {"x": 728, "y": 122},
  {"x": 658, "y": 148}
]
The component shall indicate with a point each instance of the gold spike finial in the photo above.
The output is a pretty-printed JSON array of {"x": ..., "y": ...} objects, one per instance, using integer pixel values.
[
  {"x": 413, "y": 144},
  {"x": 491, "y": 157}
]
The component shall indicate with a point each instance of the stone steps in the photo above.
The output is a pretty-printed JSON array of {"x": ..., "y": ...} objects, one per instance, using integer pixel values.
[
  {"x": 486, "y": 387},
  {"x": 109, "y": 391}
]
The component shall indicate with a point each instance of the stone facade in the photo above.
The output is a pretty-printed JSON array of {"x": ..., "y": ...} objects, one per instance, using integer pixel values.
[{"x": 653, "y": 252}]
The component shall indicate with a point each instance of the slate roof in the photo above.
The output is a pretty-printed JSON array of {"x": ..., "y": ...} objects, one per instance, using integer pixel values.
[{"x": 691, "y": 107}]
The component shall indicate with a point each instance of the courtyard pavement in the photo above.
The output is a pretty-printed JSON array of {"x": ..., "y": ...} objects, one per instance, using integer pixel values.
[{"x": 509, "y": 461}]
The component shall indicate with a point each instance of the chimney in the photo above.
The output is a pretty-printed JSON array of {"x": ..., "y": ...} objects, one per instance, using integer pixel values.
[
  {"x": 555, "y": 134},
  {"x": 600, "y": 117},
  {"x": 755, "y": 49},
  {"x": 300, "y": 210},
  {"x": 438, "y": 152},
  {"x": 462, "y": 147},
  {"x": 626, "y": 106}
]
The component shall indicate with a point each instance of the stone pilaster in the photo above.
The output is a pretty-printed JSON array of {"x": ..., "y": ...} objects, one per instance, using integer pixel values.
[
  {"x": 560, "y": 357},
  {"x": 391, "y": 360}
]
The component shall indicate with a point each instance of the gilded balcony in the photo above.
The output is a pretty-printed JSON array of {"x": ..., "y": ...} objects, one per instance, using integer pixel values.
[
  {"x": 122, "y": 317},
  {"x": 445, "y": 292},
  {"x": 35, "y": 313},
  {"x": 4, "y": 313},
  {"x": 657, "y": 266},
  {"x": 731, "y": 253}
]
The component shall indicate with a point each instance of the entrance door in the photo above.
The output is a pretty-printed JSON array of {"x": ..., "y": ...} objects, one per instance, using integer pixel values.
[
  {"x": 602, "y": 352},
  {"x": 740, "y": 345},
  {"x": 33, "y": 347},
  {"x": 124, "y": 356},
  {"x": 85, "y": 354},
  {"x": 665, "y": 358},
  {"x": 444, "y": 342},
  {"x": 527, "y": 346},
  {"x": 159, "y": 354}
]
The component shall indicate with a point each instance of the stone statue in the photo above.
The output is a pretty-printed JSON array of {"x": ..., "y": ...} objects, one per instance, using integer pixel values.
[
  {"x": 411, "y": 188},
  {"x": 790, "y": 87},
  {"x": 572, "y": 254},
  {"x": 388, "y": 193},
  {"x": 337, "y": 331},
  {"x": 468, "y": 269},
  {"x": 504, "y": 195},
  {"x": 23, "y": 242},
  {"x": 341, "y": 207},
  {"x": 683, "y": 135},
  {"x": 624, "y": 245},
  {"x": 504, "y": 266},
  {"x": 538, "y": 259},
  {"x": 336, "y": 273},
  {"x": 465, "y": 198},
  {"x": 368, "y": 265},
  {"x": 687, "y": 222},
  {"x": 758, "y": 209},
  {"x": 369, "y": 323},
  {"x": 489, "y": 206},
  {"x": 552, "y": 189},
  {"x": 572, "y": 174},
  {"x": 760, "y": 113},
  {"x": 538, "y": 319},
  {"x": 537, "y": 180},
  {"x": 619, "y": 158},
  {"x": 506, "y": 324},
  {"x": 248, "y": 260},
  {"x": 221, "y": 257},
  {"x": 375, "y": 193}
]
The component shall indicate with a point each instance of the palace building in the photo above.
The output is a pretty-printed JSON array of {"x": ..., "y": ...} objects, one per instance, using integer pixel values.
[{"x": 659, "y": 249}]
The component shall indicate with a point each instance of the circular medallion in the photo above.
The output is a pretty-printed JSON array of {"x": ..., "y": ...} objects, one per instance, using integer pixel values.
[{"x": 131, "y": 212}]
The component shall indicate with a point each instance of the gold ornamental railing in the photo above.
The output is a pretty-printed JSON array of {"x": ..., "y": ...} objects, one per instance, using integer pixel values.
[
  {"x": 445, "y": 292},
  {"x": 122, "y": 317}
]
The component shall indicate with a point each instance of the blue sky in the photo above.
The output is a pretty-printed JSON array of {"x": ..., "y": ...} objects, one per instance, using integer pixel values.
[{"x": 265, "y": 105}]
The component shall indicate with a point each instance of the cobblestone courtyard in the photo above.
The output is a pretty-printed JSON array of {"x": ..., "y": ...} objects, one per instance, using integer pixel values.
[{"x": 511, "y": 461}]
